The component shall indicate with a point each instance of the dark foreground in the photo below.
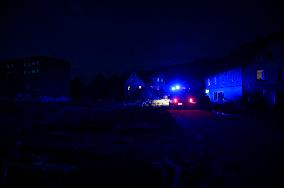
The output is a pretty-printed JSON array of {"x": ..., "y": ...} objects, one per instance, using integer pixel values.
[{"x": 59, "y": 146}]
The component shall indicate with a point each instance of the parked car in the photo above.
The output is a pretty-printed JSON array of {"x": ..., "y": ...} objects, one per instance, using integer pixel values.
[
  {"x": 182, "y": 100},
  {"x": 156, "y": 103},
  {"x": 190, "y": 101}
]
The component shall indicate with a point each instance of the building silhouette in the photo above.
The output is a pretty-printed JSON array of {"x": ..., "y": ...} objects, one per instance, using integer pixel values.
[{"x": 33, "y": 78}]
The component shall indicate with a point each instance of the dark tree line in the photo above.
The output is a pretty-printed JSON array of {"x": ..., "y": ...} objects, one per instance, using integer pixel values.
[{"x": 100, "y": 89}]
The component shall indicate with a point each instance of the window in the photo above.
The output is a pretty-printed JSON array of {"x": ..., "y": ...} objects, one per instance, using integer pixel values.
[
  {"x": 260, "y": 74},
  {"x": 208, "y": 82},
  {"x": 140, "y": 87},
  {"x": 215, "y": 96},
  {"x": 220, "y": 95},
  {"x": 128, "y": 88},
  {"x": 158, "y": 79}
]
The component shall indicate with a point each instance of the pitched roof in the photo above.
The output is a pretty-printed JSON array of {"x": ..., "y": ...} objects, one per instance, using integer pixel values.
[
  {"x": 134, "y": 79},
  {"x": 251, "y": 49}
]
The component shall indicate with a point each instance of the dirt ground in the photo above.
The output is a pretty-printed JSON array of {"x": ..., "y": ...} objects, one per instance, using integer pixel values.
[{"x": 58, "y": 146}]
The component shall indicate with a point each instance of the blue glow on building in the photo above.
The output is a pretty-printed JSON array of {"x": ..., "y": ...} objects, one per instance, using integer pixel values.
[{"x": 227, "y": 86}]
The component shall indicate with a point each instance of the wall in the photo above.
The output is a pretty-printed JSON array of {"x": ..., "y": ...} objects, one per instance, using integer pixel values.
[
  {"x": 35, "y": 77},
  {"x": 132, "y": 89},
  {"x": 226, "y": 85},
  {"x": 271, "y": 61}
]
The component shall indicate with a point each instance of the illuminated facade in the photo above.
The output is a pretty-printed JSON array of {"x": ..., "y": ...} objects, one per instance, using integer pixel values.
[
  {"x": 34, "y": 77},
  {"x": 256, "y": 77},
  {"x": 225, "y": 86}
]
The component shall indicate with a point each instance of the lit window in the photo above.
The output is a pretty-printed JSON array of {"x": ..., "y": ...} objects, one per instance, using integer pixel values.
[
  {"x": 208, "y": 81},
  {"x": 206, "y": 91},
  {"x": 140, "y": 87},
  {"x": 128, "y": 88},
  {"x": 260, "y": 75},
  {"x": 158, "y": 79}
]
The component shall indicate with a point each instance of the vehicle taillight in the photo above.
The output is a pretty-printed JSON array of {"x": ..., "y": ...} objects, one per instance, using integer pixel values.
[
  {"x": 175, "y": 100},
  {"x": 191, "y": 100}
]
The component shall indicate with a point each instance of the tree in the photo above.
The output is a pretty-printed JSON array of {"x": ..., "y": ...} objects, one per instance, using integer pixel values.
[
  {"x": 116, "y": 84},
  {"x": 76, "y": 88},
  {"x": 99, "y": 88}
]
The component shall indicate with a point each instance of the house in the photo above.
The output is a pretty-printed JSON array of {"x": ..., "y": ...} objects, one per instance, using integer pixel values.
[
  {"x": 225, "y": 86},
  {"x": 133, "y": 87},
  {"x": 251, "y": 75},
  {"x": 157, "y": 81},
  {"x": 34, "y": 77},
  {"x": 144, "y": 85}
]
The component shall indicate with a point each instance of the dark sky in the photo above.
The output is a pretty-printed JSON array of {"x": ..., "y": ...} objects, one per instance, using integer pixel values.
[{"x": 118, "y": 36}]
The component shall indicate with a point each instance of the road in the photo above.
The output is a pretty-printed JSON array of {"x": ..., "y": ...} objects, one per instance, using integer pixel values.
[
  {"x": 139, "y": 147},
  {"x": 243, "y": 151}
]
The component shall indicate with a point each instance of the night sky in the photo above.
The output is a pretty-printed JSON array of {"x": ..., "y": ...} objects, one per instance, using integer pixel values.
[{"x": 115, "y": 36}]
